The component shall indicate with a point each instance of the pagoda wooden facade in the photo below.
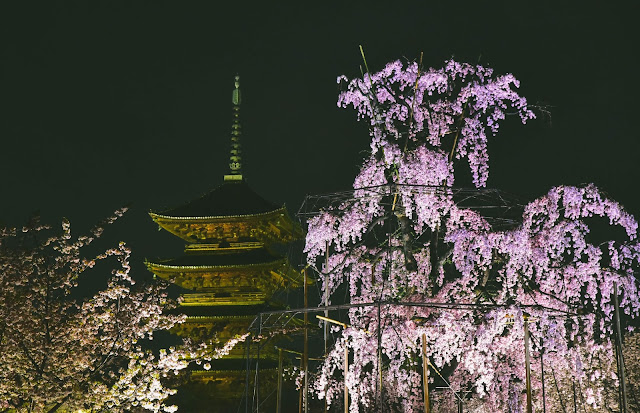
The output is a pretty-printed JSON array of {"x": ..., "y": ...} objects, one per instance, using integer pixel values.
[{"x": 229, "y": 271}]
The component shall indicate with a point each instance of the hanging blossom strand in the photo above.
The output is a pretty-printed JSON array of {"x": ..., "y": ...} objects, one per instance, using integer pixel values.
[{"x": 459, "y": 102}]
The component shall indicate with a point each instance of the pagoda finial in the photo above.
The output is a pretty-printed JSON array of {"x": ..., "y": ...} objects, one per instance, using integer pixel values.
[{"x": 235, "y": 160}]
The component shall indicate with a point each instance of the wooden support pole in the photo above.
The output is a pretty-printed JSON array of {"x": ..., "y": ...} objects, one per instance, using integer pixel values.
[
  {"x": 305, "y": 351},
  {"x": 279, "y": 396},
  {"x": 258, "y": 366},
  {"x": 346, "y": 370},
  {"x": 620, "y": 358},
  {"x": 425, "y": 374},
  {"x": 544, "y": 394},
  {"x": 247, "y": 343},
  {"x": 527, "y": 363},
  {"x": 300, "y": 392},
  {"x": 326, "y": 312},
  {"x": 380, "y": 360},
  {"x": 326, "y": 295}
]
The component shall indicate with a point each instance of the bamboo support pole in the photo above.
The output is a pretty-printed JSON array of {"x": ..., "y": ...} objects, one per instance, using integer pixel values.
[
  {"x": 248, "y": 354},
  {"x": 544, "y": 393},
  {"x": 527, "y": 363},
  {"x": 257, "y": 392},
  {"x": 346, "y": 371},
  {"x": 380, "y": 359},
  {"x": 300, "y": 392},
  {"x": 279, "y": 396},
  {"x": 620, "y": 358},
  {"x": 305, "y": 353},
  {"x": 425, "y": 374},
  {"x": 326, "y": 312}
]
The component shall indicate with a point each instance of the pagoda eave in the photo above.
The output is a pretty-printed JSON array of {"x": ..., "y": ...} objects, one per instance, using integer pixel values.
[
  {"x": 269, "y": 226},
  {"x": 160, "y": 218},
  {"x": 266, "y": 277},
  {"x": 227, "y": 299},
  {"x": 205, "y": 319},
  {"x": 212, "y": 268}
]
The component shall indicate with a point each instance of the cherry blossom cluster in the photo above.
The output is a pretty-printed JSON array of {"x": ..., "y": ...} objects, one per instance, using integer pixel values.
[
  {"x": 61, "y": 350},
  {"x": 214, "y": 349},
  {"x": 459, "y": 102},
  {"x": 441, "y": 273}
]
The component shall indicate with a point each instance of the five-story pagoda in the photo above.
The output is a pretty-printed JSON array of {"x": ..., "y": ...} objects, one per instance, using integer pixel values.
[{"x": 229, "y": 270}]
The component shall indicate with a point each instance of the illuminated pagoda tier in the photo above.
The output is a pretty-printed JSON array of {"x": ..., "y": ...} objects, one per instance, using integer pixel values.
[{"x": 229, "y": 271}]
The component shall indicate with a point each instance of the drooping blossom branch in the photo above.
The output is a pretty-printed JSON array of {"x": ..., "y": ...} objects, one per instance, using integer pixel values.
[
  {"x": 460, "y": 102},
  {"x": 403, "y": 238}
]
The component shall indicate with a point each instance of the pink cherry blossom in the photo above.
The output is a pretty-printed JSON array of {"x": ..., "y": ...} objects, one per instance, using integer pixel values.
[{"x": 443, "y": 270}]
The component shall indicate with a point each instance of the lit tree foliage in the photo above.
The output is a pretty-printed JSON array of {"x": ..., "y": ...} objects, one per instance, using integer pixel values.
[
  {"x": 62, "y": 351},
  {"x": 412, "y": 243}
]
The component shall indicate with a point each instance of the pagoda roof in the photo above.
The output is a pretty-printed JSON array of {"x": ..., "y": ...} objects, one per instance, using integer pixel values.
[
  {"x": 241, "y": 258},
  {"x": 227, "y": 314},
  {"x": 245, "y": 271},
  {"x": 232, "y": 198}
]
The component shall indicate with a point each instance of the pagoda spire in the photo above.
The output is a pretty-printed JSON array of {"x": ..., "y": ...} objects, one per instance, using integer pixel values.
[{"x": 235, "y": 159}]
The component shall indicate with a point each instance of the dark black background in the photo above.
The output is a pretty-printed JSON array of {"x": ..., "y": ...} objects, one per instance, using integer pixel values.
[{"x": 106, "y": 103}]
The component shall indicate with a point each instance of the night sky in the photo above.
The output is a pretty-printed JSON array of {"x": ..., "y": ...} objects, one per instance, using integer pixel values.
[{"x": 110, "y": 103}]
